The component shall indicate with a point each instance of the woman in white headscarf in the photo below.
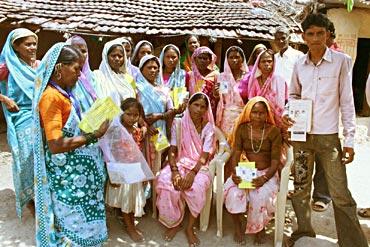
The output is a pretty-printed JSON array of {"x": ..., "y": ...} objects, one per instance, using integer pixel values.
[{"x": 112, "y": 78}]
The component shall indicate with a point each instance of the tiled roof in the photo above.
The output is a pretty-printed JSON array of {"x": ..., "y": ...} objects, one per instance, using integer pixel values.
[{"x": 218, "y": 18}]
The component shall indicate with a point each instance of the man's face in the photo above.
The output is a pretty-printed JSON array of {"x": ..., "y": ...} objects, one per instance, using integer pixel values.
[
  {"x": 316, "y": 37},
  {"x": 281, "y": 40}
]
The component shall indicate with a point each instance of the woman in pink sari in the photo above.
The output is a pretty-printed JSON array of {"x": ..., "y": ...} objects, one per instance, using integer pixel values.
[
  {"x": 231, "y": 100},
  {"x": 203, "y": 77},
  {"x": 185, "y": 180},
  {"x": 263, "y": 82}
]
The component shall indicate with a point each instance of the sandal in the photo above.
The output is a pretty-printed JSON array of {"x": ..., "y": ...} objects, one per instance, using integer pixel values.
[
  {"x": 290, "y": 194},
  {"x": 364, "y": 212},
  {"x": 319, "y": 206}
]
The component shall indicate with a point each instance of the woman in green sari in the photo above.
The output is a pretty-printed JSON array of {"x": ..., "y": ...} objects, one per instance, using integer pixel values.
[{"x": 69, "y": 170}]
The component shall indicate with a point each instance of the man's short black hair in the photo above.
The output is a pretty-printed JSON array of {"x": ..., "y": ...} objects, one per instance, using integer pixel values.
[
  {"x": 319, "y": 20},
  {"x": 331, "y": 29}
]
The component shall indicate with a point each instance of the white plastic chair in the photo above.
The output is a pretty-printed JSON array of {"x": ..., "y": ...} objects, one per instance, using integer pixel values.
[
  {"x": 281, "y": 200},
  {"x": 216, "y": 167},
  {"x": 156, "y": 168}
]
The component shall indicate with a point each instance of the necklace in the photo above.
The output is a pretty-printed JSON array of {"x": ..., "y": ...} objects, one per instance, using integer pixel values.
[{"x": 263, "y": 134}]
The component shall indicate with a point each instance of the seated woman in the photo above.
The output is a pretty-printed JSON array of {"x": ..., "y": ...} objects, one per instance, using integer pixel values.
[
  {"x": 231, "y": 102},
  {"x": 203, "y": 77},
  {"x": 69, "y": 170},
  {"x": 255, "y": 134},
  {"x": 112, "y": 78},
  {"x": 84, "y": 89},
  {"x": 173, "y": 76},
  {"x": 255, "y": 53},
  {"x": 185, "y": 179}
]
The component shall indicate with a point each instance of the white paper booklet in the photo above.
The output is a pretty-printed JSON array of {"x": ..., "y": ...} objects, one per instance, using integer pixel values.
[
  {"x": 301, "y": 112},
  {"x": 125, "y": 173}
]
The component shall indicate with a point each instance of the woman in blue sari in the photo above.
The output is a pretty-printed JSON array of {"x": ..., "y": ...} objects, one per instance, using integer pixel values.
[
  {"x": 18, "y": 58},
  {"x": 69, "y": 170}
]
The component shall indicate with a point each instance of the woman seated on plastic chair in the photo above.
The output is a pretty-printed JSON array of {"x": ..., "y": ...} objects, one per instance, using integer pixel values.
[
  {"x": 186, "y": 178},
  {"x": 255, "y": 134}
]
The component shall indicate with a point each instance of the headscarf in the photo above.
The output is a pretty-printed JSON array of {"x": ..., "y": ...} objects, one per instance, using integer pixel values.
[
  {"x": 191, "y": 143},
  {"x": 196, "y": 74},
  {"x": 110, "y": 83},
  {"x": 177, "y": 78},
  {"x": 275, "y": 89},
  {"x": 137, "y": 48},
  {"x": 21, "y": 33},
  {"x": 186, "y": 58},
  {"x": 20, "y": 73},
  {"x": 86, "y": 76},
  {"x": 45, "y": 225},
  {"x": 244, "y": 117},
  {"x": 130, "y": 68},
  {"x": 228, "y": 76},
  {"x": 258, "y": 46},
  {"x": 149, "y": 97}
]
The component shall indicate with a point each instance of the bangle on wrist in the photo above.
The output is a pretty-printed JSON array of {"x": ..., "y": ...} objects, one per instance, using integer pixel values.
[
  {"x": 174, "y": 168},
  {"x": 265, "y": 178},
  {"x": 90, "y": 138}
]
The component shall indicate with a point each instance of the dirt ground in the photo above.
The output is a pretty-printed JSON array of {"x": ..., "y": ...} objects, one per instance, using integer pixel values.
[{"x": 20, "y": 232}]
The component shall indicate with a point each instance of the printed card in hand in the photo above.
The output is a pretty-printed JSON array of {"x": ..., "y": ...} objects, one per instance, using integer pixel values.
[
  {"x": 179, "y": 94},
  {"x": 102, "y": 110},
  {"x": 247, "y": 171},
  {"x": 160, "y": 140},
  {"x": 224, "y": 87},
  {"x": 301, "y": 112}
]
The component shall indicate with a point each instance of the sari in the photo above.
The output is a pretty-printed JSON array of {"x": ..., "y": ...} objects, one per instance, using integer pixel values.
[
  {"x": 69, "y": 187},
  {"x": 119, "y": 86},
  {"x": 135, "y": 70},
  {"x": 177, "y": 78},
  {"x": 170, "y": 202},
  {"x": 258, "y": 203},
  {"x": 19, "y": 87},
  {"x": 84, "y": 89},
  {"x": 275, "y": 90},
  {"x": 207, "y": 83},
  {"x": 131, "y": 69},
  {"x": 231, "y": 103},
  {"x": 185, "y": 60}
]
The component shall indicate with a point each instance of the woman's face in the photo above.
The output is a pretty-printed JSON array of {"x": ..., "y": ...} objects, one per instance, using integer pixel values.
[
  {"x": 150, "y": 71},
  {"x": 27, "y": 49},
  {"x": 144, "y": 50},
  {"x": 70, "y": 73},
  {"x": 198, "y": 108},
  {"x": 193, "y": 44},
  {"x": 235, "y": 60},
  {"x": 83, "y": 49},
  {"x": 258, "y": 113},
  {"x": 266, "y": 63},
  {"x": 116, "y": 59},
  {"x": 131, "y": 116},
  {"x": 203, "y": 60},
  {"x": 128, "y": 49},
  {"x": 170, "y": 59}
]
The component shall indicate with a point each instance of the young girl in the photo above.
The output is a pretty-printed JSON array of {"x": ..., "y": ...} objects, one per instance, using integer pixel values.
[
  {"x": 119, "y": 146},
  {"x": 255, "y": 134}
]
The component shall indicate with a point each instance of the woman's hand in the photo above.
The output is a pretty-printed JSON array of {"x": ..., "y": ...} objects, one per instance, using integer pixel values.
[
  {"x": 187, "y": 182},
  {"x": 114, "y": 185},
  {"x": 216, "y": 90},
  {"x": 152, "y": 131},
  {"x": 153, "y": 117},
  {"x": 176, "y": 180},
  {"x": 236, "y": 179},
  {"x": 287, "y": 122},
  {"x": 10, "y": 104},
  {"x": 181, "y": 108},
  {"x": 259, "y": 181},
  {"x": 102, "y": 129}
]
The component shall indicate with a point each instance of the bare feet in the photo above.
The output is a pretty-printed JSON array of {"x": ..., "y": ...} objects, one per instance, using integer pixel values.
[
  {"x": 260, "y": 237},
  {"x": 134, "y": 234},
  {"x": 170, "y": 233},
  {"x": 239, "y": 236},
  {"x": 31, "y": 207},
  {"x": 193, "y": 240}
]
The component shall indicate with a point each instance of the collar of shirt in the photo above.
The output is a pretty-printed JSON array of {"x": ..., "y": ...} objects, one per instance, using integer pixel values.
[
  {"x": 327, "y": 57},
  {"x": 289, "y": 52}
]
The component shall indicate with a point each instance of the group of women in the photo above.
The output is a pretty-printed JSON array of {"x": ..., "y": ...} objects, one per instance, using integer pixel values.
[{"x": 61, "y": 170}]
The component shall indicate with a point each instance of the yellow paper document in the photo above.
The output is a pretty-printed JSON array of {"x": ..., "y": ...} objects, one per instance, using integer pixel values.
[
  {"x": 179, "y": 94},
  {"x": 247, "y": 171},
  {"x": 160, "y": 140},
  {"x": 101, "y": 110}
]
